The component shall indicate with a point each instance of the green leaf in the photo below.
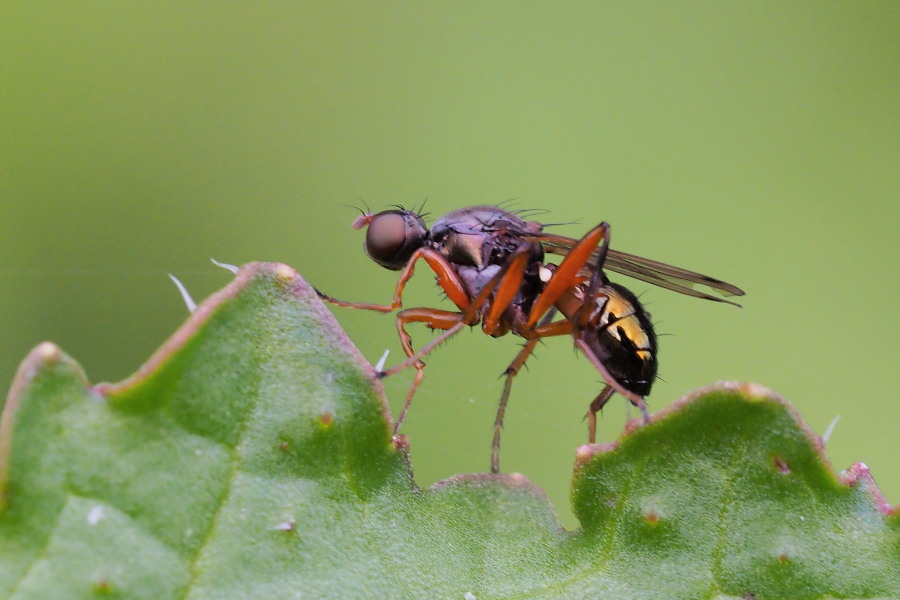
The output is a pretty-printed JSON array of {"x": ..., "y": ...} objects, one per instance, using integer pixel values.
[{"x": 251, "y": 457}]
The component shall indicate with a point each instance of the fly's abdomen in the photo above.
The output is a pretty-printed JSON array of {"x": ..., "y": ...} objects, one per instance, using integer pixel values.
[{"x": 621, "y": 336}]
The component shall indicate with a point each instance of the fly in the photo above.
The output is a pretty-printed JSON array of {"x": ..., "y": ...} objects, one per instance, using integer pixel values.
[{"x": 491, "y": 265}]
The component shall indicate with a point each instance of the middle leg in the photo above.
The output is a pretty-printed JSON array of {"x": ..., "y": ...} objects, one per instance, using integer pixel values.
[{"x": 546, "y": 329}]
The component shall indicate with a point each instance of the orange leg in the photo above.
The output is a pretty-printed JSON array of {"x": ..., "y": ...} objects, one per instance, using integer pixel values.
[
  {"x": 506, "y": 283},
  {"x": 596, "y": 406},
  {"x": 435, "y": 319},
  {"x": 546, "y": 329},
  {"x": 581, "y": 319},
  {"x": 607, "y": 377},
  {"x": 452, "y": 286},
  {"x": 593, "y": 245},
  {"x": 561, "y": 282},
  {"x": 511, "y": 371},
  {"x": 471, "y": 314},
  {"x": 568, "y": 271},
  {"x": 507, "y": 286},
  {"x": 446, "y": 277}
]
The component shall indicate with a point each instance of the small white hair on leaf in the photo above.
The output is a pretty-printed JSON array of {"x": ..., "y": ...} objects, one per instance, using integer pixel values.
[
  {"x": 234, "y": 269},
  {"x": 283, "y": 526},
  {"x": 830, "y": 429},
  {"x": 189, "y": 302},
  {"x": 379, "y": 366},
  {"x": 95, "y": 515}
]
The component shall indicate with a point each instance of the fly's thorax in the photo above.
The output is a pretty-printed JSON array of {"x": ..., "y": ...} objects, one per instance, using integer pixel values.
[
  {"x": 474, "y": 279},
  {"x": 479, "y": 236},
  {"x": 474, "y": 219},
  {"x": 463, "y": 248}
]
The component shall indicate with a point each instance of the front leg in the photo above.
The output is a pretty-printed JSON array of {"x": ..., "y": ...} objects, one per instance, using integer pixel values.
[
  {"x": 451, "y": 322},
  {"x": 505, "y": 283},
  {"x": 446, "y": 278}
]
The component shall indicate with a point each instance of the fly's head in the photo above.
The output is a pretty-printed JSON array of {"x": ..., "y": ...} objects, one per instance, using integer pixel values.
[{"x": 392, "y": 236}]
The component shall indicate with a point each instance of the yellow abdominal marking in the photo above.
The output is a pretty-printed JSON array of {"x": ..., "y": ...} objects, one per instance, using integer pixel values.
[
  {"x": 631, "y": 327},
  {"x": 625, "y": 320}
]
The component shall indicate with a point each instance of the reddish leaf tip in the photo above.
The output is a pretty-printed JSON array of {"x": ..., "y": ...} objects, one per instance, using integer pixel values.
[
  {"x": 47, "y": 352},
  {"x": 586, "y": 452},
  {"x": 754, "y": 391},
  {"x": 284, "y": 272},
  {"x": 859, "y": 475},
  {"x": 401, "y": 442}
]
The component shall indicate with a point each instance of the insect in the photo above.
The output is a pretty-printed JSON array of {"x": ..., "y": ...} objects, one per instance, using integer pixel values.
[{"x": 491, "y": 264}]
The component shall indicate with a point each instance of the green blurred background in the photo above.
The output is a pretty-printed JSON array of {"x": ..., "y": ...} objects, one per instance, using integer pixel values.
[{"x": 755, "y": 142}]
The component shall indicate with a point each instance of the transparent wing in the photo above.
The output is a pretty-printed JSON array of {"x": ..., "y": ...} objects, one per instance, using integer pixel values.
[{"x": 666, "y": 276}]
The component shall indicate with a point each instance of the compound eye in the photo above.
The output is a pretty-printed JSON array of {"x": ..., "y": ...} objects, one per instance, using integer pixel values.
[{"x": 393, "y": 236}]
